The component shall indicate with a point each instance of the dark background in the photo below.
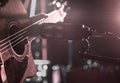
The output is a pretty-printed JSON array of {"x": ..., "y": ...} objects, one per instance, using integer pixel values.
[{"x": 101, "y": 15}]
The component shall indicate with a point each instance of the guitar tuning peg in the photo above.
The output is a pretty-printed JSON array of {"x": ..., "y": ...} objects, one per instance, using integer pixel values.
[
  {"x": 58, "y": 4},
  {"x": 54, "y": 2}
]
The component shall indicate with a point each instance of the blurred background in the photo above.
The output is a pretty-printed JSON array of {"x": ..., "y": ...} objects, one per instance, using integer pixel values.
[{"x": 64, "y": 60}]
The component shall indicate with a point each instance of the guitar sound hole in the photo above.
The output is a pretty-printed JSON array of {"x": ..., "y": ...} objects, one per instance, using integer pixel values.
[{"x": 16, "y": 40}]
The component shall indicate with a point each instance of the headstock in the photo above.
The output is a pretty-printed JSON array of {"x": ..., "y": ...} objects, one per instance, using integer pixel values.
[
  {"x": 62, "y": 11},
  {"x": 61, "y": 8},
  {"x": 57, "y": 15}
]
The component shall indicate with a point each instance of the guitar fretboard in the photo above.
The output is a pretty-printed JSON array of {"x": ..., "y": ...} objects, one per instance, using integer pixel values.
[{"x": 53, "y": 17}]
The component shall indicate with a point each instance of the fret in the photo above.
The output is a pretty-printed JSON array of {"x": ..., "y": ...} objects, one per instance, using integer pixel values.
[{"x": 53, "y": 17}]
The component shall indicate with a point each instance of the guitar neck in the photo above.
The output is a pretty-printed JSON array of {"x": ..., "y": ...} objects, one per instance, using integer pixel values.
[{"x": 52, "y": 17}]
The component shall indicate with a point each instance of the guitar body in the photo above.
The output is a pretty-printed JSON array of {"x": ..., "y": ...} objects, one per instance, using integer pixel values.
[
  {"x": 15, "y": 41},
  {"x": 17, "y": 60}
]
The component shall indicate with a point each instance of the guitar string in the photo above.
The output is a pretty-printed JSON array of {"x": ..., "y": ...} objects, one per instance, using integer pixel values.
[
  {"x": 37, "y": 22},
  {"x": 20, "y": 31},
  {"x": 13, "y": 39},
  {"x": 9, "y": 46},
  {"x": 23, "y": 33},
  {"x": 17, "y": 33},
  {"x": 41, "y": 21},
  {"x": 8, "y": 38},
  {"x": 6, "y": 47},
  {"x": 18, "y": 39},
  {"x": 13, "y": 45}
]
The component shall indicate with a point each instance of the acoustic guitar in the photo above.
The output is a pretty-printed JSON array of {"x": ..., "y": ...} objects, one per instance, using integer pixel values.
[{"x": 15, "y": 39}]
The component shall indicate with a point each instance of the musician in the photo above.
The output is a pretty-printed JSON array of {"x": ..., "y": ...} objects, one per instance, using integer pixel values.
[
  {"x": 15, "y": 54},
  {"x": 17, "y": 31}
]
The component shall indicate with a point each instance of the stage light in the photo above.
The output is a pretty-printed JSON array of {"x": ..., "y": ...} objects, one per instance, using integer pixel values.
[
  {"x": 83, "y": 26},
  {"x": 39, "y": 67},
  {"x": 56, "y": 67},
  {"x": 85, "y": 67},
  {"x": 56, "y": 77},
  {"x": 28, "y": 80},
  {"x": 39, "y": 79},
  {"x": 45, "y": 67},
  {"x": 89, "y": 62},
  {"x": 37, "y": 54},
  {"x": 95, "y": 64},
  {"x": 39, "y": 74}
]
